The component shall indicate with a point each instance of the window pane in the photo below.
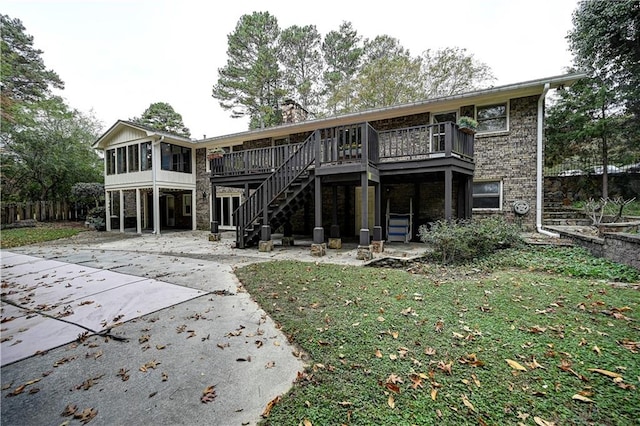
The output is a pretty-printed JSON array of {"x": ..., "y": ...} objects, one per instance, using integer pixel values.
[
  {"x": 133, "y": 158},
  {"x": 486, "y": 202},
  {"x": 486, "y": 188},
  {"x": 492, "y": 111},
  {"x": 146, "y": 162},
  {"x": 492, "y": 125},
  {"x": 122, "y": 160},
  {"x": 110, "y": 158}
]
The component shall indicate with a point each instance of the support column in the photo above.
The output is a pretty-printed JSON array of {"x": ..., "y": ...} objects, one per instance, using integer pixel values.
[
  {"x": 156, "y": 210},
  {"x": 138, "y": 213},
  {"x": 107, "y": 213},
  {"x": 469, "y": 195},
  {"x": 319, "y": 247},
  {"x": 378, "y": 243},
  {"x": 215, "y": 225},
  {"x": 448, "y": 191},
  {"x": 266, "y": 243},
  {"x": 364, "y": 248},
  {"x": 335, "y": 242},
  {"x": 121, "y": 211},
  {"x": 194, "y": 203}
]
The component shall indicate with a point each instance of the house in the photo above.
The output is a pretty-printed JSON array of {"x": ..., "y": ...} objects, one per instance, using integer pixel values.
[{"x": 373, "y": 176}]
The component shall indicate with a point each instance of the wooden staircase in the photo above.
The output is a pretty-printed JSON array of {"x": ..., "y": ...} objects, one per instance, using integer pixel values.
[{"x": 279, "y": 196}]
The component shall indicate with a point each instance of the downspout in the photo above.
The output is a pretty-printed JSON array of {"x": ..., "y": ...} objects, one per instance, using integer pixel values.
[
  {"x": 155, "y": 163},
  {"x": 540, "y": 177}
]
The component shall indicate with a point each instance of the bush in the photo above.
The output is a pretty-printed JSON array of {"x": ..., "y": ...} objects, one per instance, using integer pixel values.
[
  {"x": 460, "y": 241},
  {"x": 96, "y": 218}
]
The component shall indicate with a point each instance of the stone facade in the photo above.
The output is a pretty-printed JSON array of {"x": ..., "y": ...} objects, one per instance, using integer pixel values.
[
  {"x": 203, "y": 186},
  {"x": 564, "y": 190},
  {"x": 511, "y": 158}
]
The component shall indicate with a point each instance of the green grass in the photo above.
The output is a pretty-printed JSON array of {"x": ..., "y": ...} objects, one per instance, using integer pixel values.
[
  {"x": 631, "y": 209},
  {"x": 364, "y": 327},
  {"x": 25, "y": 236}
]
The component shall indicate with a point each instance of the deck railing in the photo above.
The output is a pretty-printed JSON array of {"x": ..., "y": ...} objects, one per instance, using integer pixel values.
[{"x": 355, "y": 143}]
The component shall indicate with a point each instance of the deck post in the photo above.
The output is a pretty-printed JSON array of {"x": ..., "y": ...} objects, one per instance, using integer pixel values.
[
  {"x": 448, "y": 190},
  {"x": 335, "y": 242},
  {"x": 378, "y": 244},
  {"x": 214, "y": 212},
  {"x": 265, "y": 243},
  {"x": 364, "y": 209},
  {"x": 319, "y": 247},
  {"x": 469, "y": 195}
]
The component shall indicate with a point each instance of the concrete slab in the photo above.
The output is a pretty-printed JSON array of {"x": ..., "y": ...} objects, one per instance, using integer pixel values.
[{"x": 30, "y": 334}]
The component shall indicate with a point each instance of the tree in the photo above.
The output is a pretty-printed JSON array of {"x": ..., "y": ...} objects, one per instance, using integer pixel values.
[
  {"x": 301, "y": 61},
  {"x": 585, "y": 121},
  {"x": 388, "y": 76},
  {"x": 25, "y": 79},
  {"x": 605, "y": 41},
  {"x": 452, "y": 70},
  {"x": 88, "y": 192},
  {"x": 162, "y": 116},
  {"x": 250, "y": 83},
  {"x": 342, "y": 52},
  {"x": 49, "y": 151}
]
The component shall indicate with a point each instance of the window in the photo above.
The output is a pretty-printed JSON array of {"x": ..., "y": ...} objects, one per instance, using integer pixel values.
[
  {"x": 492, "y": 118},
  {"x": 175, "y": 158},
  {"x": 487, "y": 195},
  {"x": 122, "y": 160},
  {"x": 110, "y": 158},
  {"x": 146, "y": 162},
  {"x": 186, "y": 204},
  {"x": 133, "y": 158}
]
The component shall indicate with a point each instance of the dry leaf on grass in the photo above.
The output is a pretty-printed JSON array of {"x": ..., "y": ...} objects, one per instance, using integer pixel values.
[
  {"x": 515, "y": 365},
  {"x": 468, "y": 403},
  {"x": 581, "y": 398},
  {"x": 270, "y": 405},
  {"x": 605, "y": 372},
  {"x": 391, "y": 402},
  {"x": 542, "y": 422}
]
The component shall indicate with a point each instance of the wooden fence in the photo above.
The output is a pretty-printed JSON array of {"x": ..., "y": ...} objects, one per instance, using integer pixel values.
[{"x": 42, "y": 211}]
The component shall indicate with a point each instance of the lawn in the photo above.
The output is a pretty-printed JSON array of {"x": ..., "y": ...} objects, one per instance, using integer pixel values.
[
  {"x": 531, "y": 336},
  {"x": 43, "y": 232}
]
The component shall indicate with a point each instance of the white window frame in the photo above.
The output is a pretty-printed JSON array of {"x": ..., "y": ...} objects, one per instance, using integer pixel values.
[
  {"x": 507, "y": 112},
  {"x": 500, "y": 195},
  {"x": 187, "y": 201}
]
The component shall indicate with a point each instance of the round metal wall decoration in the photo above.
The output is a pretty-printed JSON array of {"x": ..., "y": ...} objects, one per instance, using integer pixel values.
[{"x": 521, "y": 207}]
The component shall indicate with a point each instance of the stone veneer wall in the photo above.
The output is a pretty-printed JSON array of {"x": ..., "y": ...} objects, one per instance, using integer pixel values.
[
  {"x": 202, "y": 185},
  {"x": 511, "y": 157}
]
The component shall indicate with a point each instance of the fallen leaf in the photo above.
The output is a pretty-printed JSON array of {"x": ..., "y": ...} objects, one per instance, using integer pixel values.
[
  {"x": 391, "y": 401},
  {"x": 605, "y": 372},
  {"x": 86, "y": 415},
  {"x": 581, "y": 398},
  {"x": 438, "y": 326},
  {"x": 378, "y": 353},
  {"x": 468, "y": 403},
  {"x": 596, "y": 349},
  {"x": 270, "y": 405},
  {"x": 542, "y": 422},
  {"x": 69, "y": 410},
  {"x": 165, "y": 377},
  {"x": 434, "y": 393},
  {"x": 534, "y": 364},
  {"x": 429, "y": 351},
  {"x": 307, "y": 422},
  {"x": 208, "y": 394},
  {"x": 270, "y": 364},
  {"x": 515, "y": 365}
]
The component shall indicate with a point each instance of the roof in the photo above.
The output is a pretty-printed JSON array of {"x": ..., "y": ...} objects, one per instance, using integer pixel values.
[
  {"x": 102, "y": 141},
  {"x": 483, "y": 96}
]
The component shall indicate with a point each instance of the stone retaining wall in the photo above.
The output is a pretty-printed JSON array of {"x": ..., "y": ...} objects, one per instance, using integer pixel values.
[{"x": 618, "y": 247}]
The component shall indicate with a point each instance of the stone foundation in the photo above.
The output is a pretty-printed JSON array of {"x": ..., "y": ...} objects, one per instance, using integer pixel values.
[
  {"x": 265, "y": 246},
  {"x": 287, "y": 241},
  {"x": 318, "y": 250},
  {"x": 377, "y": 246},
  {"x": 364, "y": 253},
  {"x": 335, "y": 243},
  {"x": 215, "y": 237}
]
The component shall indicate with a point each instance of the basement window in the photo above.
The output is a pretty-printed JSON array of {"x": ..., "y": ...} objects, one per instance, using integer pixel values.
[{"x": 487, "y": 195}]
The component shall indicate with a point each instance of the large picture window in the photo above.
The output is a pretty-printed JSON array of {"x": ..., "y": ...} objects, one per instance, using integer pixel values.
[
  {"x": 133, "y": 159},
  {"x": 492, "y": 118},
  {"x": 175, "y": 158},
  {"x": 110, "y": 159},
  {"x": 122, "y": 160},
  {"x": 146, "y": 162},
  {"x": 487, "y": 195}
]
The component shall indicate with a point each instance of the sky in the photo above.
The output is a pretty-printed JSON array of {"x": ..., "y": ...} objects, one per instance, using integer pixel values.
[{"x": 117, "y": 57}]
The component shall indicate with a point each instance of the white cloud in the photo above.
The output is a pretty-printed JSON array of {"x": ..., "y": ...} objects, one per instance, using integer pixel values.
[{"x": 116, "y": 57}]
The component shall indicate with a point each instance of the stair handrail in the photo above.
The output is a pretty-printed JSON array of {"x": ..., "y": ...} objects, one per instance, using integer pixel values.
[{"x": 256, "y": 203}]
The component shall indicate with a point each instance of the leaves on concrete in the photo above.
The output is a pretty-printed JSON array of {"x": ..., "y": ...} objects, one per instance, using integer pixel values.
[{"x": 208, "y": 394}]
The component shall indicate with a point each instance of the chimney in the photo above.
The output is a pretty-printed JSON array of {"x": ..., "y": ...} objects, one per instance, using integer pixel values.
[{"x": 293, "y": 112}]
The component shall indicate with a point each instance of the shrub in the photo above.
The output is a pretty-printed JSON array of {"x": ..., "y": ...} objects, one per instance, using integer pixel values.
[
  {"x": 96, "y": 218},
  {"x": 460, "y": 241}
]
